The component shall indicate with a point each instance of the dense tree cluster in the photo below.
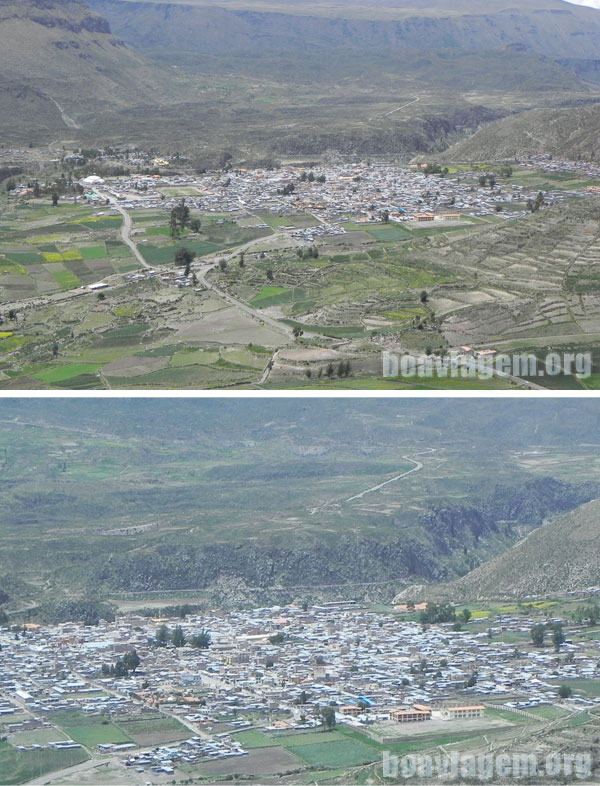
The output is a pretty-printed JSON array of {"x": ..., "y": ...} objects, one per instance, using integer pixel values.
[
  {"x": 179, "y": 218},
  {"x": 122, "y": 666},
  {"x": 201, "y": 640},
  {"x": 287, "y": 190},
  {"x": 312, "y": 252}
]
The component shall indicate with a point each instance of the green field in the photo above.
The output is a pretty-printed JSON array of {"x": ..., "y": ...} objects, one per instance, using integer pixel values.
[
  {"x": 587, "y": 687},
  {"x": 337, "y": 753},
  {"x": 21, "y": 766},
  {"x": 93, "y": 252},
  {"x": 62, "y": 373},
  {"x": 66, "y": 279},
  {"x": 97, "y": 734}
]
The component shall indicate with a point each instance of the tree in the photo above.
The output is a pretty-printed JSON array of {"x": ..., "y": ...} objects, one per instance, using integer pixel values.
[
  {"x": 270, "y": 276},
  {"x": 162, "y": 636},
  {"x": 222, "y": 265},
  {"x": 329, "y": 370},
  {"x": 195, "y": 225},
  {"x": 471, "y": 681},
  {"x": 385, "y": 216},
  {"x": 565, "y": 691},
  {"x": 184, "y": 258},
  {"x": 54, "y": 199},
  {"x": 178, "y": 637},
  {"x": 558, "y": 637},
  {"x": 179, "y": 218},
  {"x": 539, "y": 201},
  {"x": 328, "y": 717},
  {"x": 538, "y": 633},
  {"x": 201, "y": 641},
  {"x": 424, "y": 297},
  {"x": 131, "y": 660}
]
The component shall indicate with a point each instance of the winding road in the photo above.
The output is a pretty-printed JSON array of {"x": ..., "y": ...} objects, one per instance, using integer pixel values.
[
  {"x": 418, "y": 466},
  {"x": 126, "y": 228}
]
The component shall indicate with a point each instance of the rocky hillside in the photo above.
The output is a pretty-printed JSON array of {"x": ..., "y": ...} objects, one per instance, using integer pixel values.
[
  {"x": 561, "y": 556},
  {"x": 59, "y": 62},
  {"x": 550, "y": 27},
  {"x": 569, "y": 133},
  {"x": 445, "y": 542}
]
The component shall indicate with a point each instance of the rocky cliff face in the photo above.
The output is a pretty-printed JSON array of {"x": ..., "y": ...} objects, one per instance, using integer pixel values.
[
  {"x": 445, "y": 543},
  {"x": 72, "y": 15},
  {"x": 555, "y": 29}
]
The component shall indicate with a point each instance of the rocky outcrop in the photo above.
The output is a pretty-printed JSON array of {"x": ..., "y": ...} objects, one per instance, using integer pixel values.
[{"x": 445, "y": 544}]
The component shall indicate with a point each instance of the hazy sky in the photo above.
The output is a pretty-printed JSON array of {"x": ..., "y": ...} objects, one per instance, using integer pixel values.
[{"x": 591, "y": 3}]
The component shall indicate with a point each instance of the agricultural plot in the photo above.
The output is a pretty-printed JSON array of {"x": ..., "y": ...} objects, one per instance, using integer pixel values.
[
  {"x": 43, "y": 252},
  {"x": 154, "y": 731},
  {"x": 96, "y": 734},
  {"x": 258, "y": 762},
  {"x": 158, "y": 247},
  {"x": 337, "y": 753},
  {"x": 21, "y": 766}
]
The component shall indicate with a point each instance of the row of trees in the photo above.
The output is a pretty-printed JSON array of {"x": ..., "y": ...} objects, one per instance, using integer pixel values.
[
  {"x": 343, "y": 369},
  {"x": 177, "y": 638},
  {"x": 538, "y": 634},
  {"x": 312, "y": 252},
  {"x": 311, "y": 178},
  {"x": 122, "y": 666},
  {"x": 491, "y": 179}
]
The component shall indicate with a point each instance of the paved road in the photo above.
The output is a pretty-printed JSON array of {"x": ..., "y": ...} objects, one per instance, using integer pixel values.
[
  {"x": 408, "y": 103},
  {"x": 126, "y": 229},
  {"x": 202, "y": 273},
  {"x": 418, "y": 466}
]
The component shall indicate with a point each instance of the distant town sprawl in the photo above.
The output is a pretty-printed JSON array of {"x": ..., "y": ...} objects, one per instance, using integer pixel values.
[
  {"x": 282, "y": 689},
  {"x": 291, "y": 274}
]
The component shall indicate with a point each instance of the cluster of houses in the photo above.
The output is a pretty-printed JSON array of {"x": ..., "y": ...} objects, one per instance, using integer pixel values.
[
  {"x": 335, "y": 194},
  {"x": 276, "y": 669}
]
